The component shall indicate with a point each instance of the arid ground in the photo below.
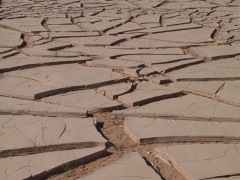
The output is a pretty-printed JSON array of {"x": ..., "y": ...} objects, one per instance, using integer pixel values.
[{"x": 120, "y": 89}]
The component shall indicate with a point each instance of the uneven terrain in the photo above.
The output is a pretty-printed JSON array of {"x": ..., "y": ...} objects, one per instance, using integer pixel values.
[{"x": 120, "y": 89}]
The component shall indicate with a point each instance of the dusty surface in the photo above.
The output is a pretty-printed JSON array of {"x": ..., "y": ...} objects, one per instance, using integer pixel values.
[
  {"x": 214, "y": 160},
  {"x": 119, "y": 89}
]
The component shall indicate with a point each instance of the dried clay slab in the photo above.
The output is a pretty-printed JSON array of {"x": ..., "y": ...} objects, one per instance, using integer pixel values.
[
  {"x": 149, "y": 130},
  {"x": 203, "y": 161}
]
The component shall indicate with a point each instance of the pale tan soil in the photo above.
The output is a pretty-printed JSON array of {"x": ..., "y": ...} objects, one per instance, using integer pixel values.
[{"x": 119, "y": 145}]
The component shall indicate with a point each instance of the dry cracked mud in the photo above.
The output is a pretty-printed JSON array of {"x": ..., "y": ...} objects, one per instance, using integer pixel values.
[{"x": 120, "y": 89}]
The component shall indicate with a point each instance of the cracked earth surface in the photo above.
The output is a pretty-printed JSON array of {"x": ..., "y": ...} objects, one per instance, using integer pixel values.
[{"x": 120, "y": 89}]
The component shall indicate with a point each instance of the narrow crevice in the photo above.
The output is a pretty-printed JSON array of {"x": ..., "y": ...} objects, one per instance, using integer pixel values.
[
  {"x": 196, "y": 139},
  {"x": 176, "y": 30},
  {"x": 60, "y": 47},
  {"x": 206, "y": 79},
  {"x": 157, "y": 98},
  {"x": 29, "y": 66},
  {"x": 220, "y": 88},
  {"x": 99, "y": 126},
  {"x": 76, "y": 88},
  {"x": 10, "y": 55},
  {"x": 224, "y": 176},
  {"x": 117, "y": 25},
  {"x": 67, "y": 167},
  {"x": 173, "y": 61},
  {"x": 44, "y": 24},
  {"x": 26, "y": 41},
  {"x": 7, "y": 51},
  {"x": 121, "y": 55},
  {"x": 175, "y": 117},
  {"x": 43, "y": 114},
  {"x": 161, "y": 21},
  {"x": 175, "y": 68},
  {"x": 164, "y": 2},
  {"x": 154, "y": 167},
  {"x": 41, "y": 149},
  {"x": 214, "y": 33}
]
